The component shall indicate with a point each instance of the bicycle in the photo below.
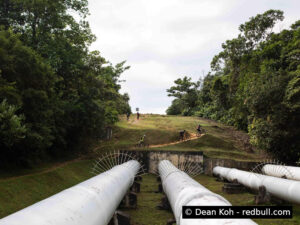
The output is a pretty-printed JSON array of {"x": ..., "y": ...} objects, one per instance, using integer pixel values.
[
  {"x": 200, "y": 132},
  {"x": 142, "y": 145}
]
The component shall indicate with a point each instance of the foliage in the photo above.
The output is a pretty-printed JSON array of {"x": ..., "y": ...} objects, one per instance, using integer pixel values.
[
  {"x": 33, "y": 84},
  {"x": 186, "y": 92},
  {"x": 256, "y": 87},
  {"x": 65, "y": 92},
  {"x": 176, "y": 107},
  {"x": 12, "y": 129}
]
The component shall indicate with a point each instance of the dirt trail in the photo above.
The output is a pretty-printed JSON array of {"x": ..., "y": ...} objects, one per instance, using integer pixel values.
[{"x": 192, "y": 137}]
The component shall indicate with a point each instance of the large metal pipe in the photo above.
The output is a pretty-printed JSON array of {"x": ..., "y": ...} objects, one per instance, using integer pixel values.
[
  {"x": 282, "y": 188},
  {"x": 289, "y": 172},
  {"x": 92, "y": 202},
  {"x": 182, "y": 190}
]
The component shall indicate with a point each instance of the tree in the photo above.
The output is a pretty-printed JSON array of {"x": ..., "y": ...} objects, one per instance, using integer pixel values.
[
  {"x": 255, "y": 85},
  {"x": 12, "y": 128},
  {"x": 259, "y": 28},
  {"x": 34, "y": 84},
  {"x": 186, "y": 91},
  {"x": 66, "y": 93},
  {"x": 176, "y": 108}
]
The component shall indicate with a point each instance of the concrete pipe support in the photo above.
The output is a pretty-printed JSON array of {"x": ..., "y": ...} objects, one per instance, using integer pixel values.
[
  {"x": 289, "y": 172},
  {"x": 92, "y": 202},
  {"x": 182, "y": 190},
  {"x": 281, "y": 188}
]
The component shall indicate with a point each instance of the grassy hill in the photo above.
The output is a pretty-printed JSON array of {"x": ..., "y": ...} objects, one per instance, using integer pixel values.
[
  {"x": 23, "y": 188},
  {"x": 219, "y": 141},
  {"x": 18, "y": 192}
]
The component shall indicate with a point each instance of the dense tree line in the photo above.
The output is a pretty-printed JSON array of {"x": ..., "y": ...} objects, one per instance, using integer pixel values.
[
  {"x": 54, "y": 92},
  {"x": 254, "y": 85}
]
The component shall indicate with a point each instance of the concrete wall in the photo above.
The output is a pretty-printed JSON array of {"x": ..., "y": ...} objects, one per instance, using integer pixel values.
[
  {"x": 179, "y": 159},
  {"x": 151, "y": 158},
  {"x": 210, "y": 163}
]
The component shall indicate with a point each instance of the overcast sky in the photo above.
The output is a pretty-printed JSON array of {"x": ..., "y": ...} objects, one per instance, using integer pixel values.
[{"x": 163, "y": 40}]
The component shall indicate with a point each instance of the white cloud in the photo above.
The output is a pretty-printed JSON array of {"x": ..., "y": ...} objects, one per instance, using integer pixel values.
[
  {"x": 156, "y": 74},
  {"x": 164, "y": 40}
]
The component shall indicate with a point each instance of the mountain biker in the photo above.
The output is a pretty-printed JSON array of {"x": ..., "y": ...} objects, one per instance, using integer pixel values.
[
  {"x": 199, "y": 129},
  {"x": 181, "y": 135},
  {"x": 142, "y": 140}
]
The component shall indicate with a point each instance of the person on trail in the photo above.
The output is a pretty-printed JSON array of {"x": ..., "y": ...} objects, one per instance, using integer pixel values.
[
  {"x": 199, "y": 129},
  {"x": 181, "y": 135},
  {"x": 142, "y": 140},
  {"x": 128, "y": 115},
  {"x": 138, "y": 115}
]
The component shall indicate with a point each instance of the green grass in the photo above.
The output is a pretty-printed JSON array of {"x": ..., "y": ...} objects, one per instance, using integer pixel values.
[
  {"x": 147, "y": 214},
  {"x": 220, "y": 141},
  {"x": 18, "y": 192},
  {"x": 213, "y": 147}
]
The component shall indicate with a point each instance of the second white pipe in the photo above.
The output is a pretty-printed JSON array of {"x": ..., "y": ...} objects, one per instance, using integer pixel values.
[{"x": 182, "y": 190}]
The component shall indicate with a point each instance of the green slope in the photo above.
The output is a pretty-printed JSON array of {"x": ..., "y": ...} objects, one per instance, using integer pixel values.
[
  {"x": 220, "y": 141},
  {"x": 19, "y": 192}
]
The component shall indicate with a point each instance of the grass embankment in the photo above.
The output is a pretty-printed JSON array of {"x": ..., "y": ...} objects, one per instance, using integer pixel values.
[
  {"x": 147, "y": 214},
  {"x": 18, "y": 192},
  {"x": 220, "y": 141}
]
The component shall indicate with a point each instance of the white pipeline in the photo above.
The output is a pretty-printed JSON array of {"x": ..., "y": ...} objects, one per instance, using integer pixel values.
[
  {"x": 92, "y": 202},
  {"x": 182, "y": 190},
  {"x": 281, "y": 188},
  {"x": 290, "y": 172}
]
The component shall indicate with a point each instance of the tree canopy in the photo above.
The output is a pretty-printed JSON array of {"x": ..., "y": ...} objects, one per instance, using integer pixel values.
[
  {"x": 255, "y": 86},
  {"x": 54, "y": 91}
]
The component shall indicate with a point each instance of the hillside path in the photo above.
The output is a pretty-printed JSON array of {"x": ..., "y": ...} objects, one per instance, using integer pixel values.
[{"x": 192, "y": 137}]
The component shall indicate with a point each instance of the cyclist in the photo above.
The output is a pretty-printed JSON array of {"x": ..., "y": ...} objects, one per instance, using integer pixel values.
[
  {"x": 142, "y": 140},
  {"x": 181, "y": 135},
  {"x": 199, "y": 129}
]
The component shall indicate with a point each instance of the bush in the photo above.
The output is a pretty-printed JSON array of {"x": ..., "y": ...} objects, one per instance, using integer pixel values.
[{"x": 12, "y": 129}]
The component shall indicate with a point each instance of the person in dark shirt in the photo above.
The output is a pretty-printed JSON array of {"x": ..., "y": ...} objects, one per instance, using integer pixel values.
[
  {"x": 181, "y": 135},
  {"x": 199, "y": 129},
  {"x": 128, "y": 115}
]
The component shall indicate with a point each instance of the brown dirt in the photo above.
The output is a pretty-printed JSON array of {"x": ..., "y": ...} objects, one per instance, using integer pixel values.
[
  {"x": 242, "y": 140},
  {"x": 192, "y": 136}
]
